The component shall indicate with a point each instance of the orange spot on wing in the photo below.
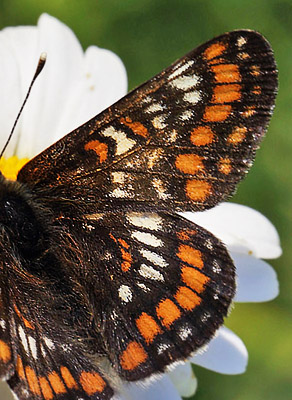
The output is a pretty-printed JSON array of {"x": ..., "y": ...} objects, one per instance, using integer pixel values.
[
  {"x": 257, "y": 90},
  {"x": 190, "y": 255},
  {"x": 5, "y": 352},
  {"x": 217, "y": 113},
  {"x": 237, "y": 136},
  {"x": 19, "y": 368},
  {"x": 186, "y": 234},
  {"x": 124, "y": 243},
  {"x": 33, "y": 381},
  {"x": 215, "y": 50},
  {"x": 126, "y": 256},
  {"x": 189, "y": 163},
  {"x": 255, "y": 70},
  {"x": 25, "y": 321},
  {"x": 226, "y": 73},
  {"x": 112, "y": 237},
  {"x": 56, "y": 383},
  {"x": 92, "y": 382},
  {"x": 100, "y": 149},
  {"x": 249, "y": 112},
  {"x": 226, "y": 93},
  {"x": 202, "y": 135},
  {"x": 68, "y": 378},
  {"x": 148, "y": 327},
  {"x": 46, "y": 388},
  {"x": 243, "y": 56},
  {"x": 198, "y": 190},
  {"x": 167, "y": 312},
  {"x": 194, "y": 279},
  {"x": 126, "y": 265},
  {"x": 136, "y": 127},
  {"x": 133, "y": 356},
  {"x": 224, "y": 166},
  {"x": 187, "y": 299}
]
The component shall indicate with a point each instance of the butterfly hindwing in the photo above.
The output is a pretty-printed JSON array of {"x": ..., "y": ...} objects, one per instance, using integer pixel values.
[
  {"x": 159, "y": 287},
  {"x": 50, "y": 364},
  {"x": 181, "y": 141}
]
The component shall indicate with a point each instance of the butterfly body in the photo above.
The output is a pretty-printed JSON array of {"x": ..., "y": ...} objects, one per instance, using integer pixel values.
[{"x": 106, "y": 282}]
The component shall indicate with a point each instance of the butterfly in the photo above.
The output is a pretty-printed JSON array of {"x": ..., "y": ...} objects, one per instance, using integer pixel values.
[{"x": 102, "y": 282}]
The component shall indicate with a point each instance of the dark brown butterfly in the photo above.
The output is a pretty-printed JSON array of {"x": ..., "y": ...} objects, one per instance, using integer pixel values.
[{"x": 101, "y": 282}]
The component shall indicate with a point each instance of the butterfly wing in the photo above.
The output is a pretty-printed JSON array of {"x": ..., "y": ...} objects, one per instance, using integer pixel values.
[
  {"x": 181, "y": 141},
  {"x": 39, "y": 348},
  {"x": 159, "y": 285}
]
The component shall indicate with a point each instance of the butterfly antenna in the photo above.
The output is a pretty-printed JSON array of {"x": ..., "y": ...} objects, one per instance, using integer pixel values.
[{"x": 41, "y": 63}]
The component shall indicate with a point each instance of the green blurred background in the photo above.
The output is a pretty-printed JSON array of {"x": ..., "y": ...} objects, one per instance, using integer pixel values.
[{"x": 148, "y": 35}]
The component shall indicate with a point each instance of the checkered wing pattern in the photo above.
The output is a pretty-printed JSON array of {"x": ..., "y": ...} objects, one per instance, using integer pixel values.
[
  {"x": 41, "y": 357},
  {"x": 181, "y": 141},
  {"x": 105, "y": 282},
  {"x": 160, "y": 288}
]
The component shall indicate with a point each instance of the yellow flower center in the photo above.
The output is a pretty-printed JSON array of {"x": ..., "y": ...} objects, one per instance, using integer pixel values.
[{"x": 11, "y": 166}]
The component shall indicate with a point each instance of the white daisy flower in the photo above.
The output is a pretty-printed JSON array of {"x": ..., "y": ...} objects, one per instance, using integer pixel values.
[{"x": 74, "y": 86}]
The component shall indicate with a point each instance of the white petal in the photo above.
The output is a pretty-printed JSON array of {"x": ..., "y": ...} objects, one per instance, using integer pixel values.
[
  {"x": 18, "y": 63},
  {"x": 40, "y": 121},
  {"x": 103, "y": 82},
  {"x": 162, "y": 389},
  {"x": 241, "y": 228},
  {"x": 225, "y": 354},
  {"x": 184, "y": 379},
  {"x": 108, "y": 75},
  {"x": 256, "y": 279}
]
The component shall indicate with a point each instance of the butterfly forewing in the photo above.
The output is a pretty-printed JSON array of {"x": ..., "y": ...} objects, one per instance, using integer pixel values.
[{"x": 181, "y": 141}]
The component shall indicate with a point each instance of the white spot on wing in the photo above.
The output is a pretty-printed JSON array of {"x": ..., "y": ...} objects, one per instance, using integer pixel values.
[
  {"x": 118, "y": 192},
  {"x": 23, "y": 338},
  {"x": 2, "y": 324},
  {"x": 162, "y": 347},
  {"x": 241, "y": 41},
  {"x": 159, "y": 122},
  {"x": 192, "y": 97},
  {"x": 143, "y": 287},
  {"x": 154, "y": 108},
  {"x": 123, "y": 143},
  {"x": 49, "y": 343},
  {"x": 154, "y": 258},
  {"x": 43, "y": 351},
  {"x": 181, "y": 68},
  {"x": 150, "y": 273},
  {"x": 172, "y": 136},
  {"x": 184, "y": 332},
  {"x": 185, "y": 82},
  {"x": 147, "y": 238},
  {"x": 118, "y": 177},
  {"x": 147, "y": 100},
  {"x": 125, "y": 293},
  {"x": 216, "y": 267},
  {"x": 150, "y": 221},
  {"x": 209, "y": 244},
  {"x": 186, "y": 115},
  {"x": 153, "y": 157},
  {"x": 160, "y": 189},
  {"x": 33, "y": 348}
]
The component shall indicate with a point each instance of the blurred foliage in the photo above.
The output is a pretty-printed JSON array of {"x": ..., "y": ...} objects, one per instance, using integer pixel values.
[{"x": 148, "y": 35}]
